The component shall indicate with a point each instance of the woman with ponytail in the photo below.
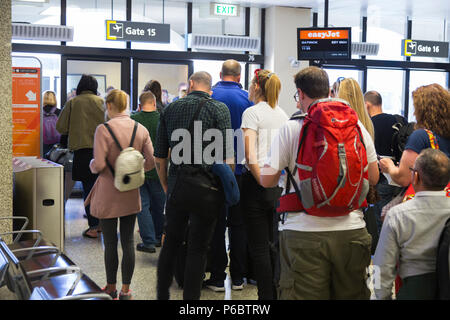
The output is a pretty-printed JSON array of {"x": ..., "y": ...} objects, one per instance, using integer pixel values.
[{"x": 260, "y": 124}]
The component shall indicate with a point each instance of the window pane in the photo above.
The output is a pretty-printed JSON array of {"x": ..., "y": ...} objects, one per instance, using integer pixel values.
[
  {"x": 334, "y": 74},
  {"x": 206, "y": 23},
  {"x": 88, "y": 19},
  {"x": 173, "y": 13},
  {"x": 422, "y": 78},
  {"x": 36, "y": 13},
  {"x": 51, "y": 71},
  {"x": 388, "y": 31},
  {"x": 213, "y": 67},
  {"x": 427, "y": 29},
  {"x": 389, "y": 83},
  {"x": 108, "y": 74}
]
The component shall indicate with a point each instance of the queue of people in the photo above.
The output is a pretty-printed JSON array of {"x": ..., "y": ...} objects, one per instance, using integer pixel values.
[{"x": 288, "y": 232}]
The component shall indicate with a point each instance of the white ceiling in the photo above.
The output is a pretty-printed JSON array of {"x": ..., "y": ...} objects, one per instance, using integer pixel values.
[
  {"x": 423, "y": 9},
  {"x": 412, "y": 8}
]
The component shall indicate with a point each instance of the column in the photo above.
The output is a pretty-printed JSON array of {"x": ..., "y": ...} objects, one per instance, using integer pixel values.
[
  {"x": 6, "y": 184},
  {"x": 281, "y": 44}
]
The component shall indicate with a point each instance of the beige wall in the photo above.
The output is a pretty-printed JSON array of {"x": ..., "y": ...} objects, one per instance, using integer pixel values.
[
  {"x": 5, "y": 115},
  {"x": 280, "y": 44}
]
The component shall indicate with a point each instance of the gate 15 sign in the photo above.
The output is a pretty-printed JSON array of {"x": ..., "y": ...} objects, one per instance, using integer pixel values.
[
  {"x": 137, "y": 31},
  {"x": 422, "y": 48}
]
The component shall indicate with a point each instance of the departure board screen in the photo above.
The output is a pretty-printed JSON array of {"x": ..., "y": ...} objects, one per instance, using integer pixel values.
[{"x": 324, "y": 43}]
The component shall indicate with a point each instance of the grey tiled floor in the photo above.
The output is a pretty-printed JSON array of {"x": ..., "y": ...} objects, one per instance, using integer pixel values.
[{"x": 88, "y": 254}]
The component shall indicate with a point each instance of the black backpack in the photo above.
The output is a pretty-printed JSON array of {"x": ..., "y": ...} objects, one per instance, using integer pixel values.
[
  {"x": 402, "y": 131},
  {"x": 442, "y": 264}
]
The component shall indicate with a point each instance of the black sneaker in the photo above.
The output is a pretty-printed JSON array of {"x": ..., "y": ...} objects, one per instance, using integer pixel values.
[
  {"x": 214, "y": 285},
  {"x": 144, "y": 248},
  {"x": 237, "y": 284}
]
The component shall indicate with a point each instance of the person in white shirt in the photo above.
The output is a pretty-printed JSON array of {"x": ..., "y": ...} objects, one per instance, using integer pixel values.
[
  {"x": 321, "y": 257},
  {"x": 260, "y": 123},
  {"x": 410, "y": 234}
]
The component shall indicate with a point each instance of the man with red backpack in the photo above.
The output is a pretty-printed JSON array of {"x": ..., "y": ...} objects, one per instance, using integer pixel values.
[{"x": 326, "y": 159}]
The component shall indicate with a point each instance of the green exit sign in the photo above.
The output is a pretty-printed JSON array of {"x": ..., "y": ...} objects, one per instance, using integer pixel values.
[{"x": 221, "y": 9}]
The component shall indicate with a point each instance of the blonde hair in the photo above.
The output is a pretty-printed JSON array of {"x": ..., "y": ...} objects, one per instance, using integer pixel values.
[
  {"x": 269, "y": 84},
  {"x": 350, "y": 91},
  {"x": 118, "y": 100},
  {"x": 49, "y": 98}
]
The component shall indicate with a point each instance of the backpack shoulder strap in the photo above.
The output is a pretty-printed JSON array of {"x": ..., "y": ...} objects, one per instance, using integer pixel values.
[
  {"x": 113, "y": 136},
  {"x": 299, "y": 115},
  {"x": 134, "y": 133},
  {"x": 117, "y": 143}
]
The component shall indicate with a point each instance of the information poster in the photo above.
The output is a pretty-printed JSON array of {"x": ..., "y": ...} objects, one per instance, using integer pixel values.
[{"x": 26, "y": 101}]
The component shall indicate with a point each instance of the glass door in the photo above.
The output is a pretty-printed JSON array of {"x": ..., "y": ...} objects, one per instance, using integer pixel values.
[
  {"x": 173, "y": 78},
  {"x": 110, "y": 74}
]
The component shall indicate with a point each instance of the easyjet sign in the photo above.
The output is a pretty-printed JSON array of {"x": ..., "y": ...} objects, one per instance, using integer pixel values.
[{"x": 323, "y": 34}]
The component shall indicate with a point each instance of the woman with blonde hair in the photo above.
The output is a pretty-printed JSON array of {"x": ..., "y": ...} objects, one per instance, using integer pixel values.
[
  {"x": 350, "y": 91},
  {"x": 109, "y": 204},
  {"x": 260, "y": 124},
  {"x": 432, "y": 112}
]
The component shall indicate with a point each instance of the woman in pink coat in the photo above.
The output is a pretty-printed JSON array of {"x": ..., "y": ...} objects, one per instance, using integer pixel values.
[{"x": 109, "y": 204}]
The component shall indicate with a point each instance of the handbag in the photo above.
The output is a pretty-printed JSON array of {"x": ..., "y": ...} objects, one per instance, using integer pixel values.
[
  {"x": 196, "y": 189},
  {"x": 229, "y": 183},
  {"x": 60, "y": 155}
]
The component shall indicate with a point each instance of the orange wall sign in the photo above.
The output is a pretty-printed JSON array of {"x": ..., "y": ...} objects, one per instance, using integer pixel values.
[{"x": 26, "y": 102}]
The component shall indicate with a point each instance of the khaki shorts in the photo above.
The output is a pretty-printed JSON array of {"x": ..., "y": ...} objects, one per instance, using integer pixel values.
[{"x": 324, "y": 265}]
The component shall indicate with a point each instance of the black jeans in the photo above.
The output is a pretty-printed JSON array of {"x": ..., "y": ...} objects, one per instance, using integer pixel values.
[
  {"x": 109, "y": 229},
  {"x": 232, "y": 218},
  {"x": 87, "y": 186},
  {"x": 201, "y": 228},
  {"x": 262, "y": 234}
]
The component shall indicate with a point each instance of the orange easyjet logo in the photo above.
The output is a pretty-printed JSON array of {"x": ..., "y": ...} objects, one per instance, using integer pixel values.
[{"x": 323, "y": 34}]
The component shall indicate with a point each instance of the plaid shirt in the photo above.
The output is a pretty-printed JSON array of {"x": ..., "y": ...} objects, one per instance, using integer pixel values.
[{"x": 179, "y": 114}]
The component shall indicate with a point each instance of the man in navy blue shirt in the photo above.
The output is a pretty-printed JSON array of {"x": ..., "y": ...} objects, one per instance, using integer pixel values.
[
  {"x": 230, "y": 92},
  {"x": 382, "y": 124}
]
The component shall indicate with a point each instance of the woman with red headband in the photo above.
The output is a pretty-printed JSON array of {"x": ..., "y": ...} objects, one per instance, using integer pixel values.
[{"x": 260, "y": 124}]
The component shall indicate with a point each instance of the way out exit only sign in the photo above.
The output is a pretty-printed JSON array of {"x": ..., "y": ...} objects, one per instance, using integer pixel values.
[{"x": 222, "y": 9}]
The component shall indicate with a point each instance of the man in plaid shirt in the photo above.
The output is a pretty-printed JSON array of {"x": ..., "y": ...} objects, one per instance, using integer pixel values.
[{"x": 178, "y": 115}]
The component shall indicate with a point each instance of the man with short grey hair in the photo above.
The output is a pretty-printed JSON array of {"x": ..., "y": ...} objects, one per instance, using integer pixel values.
[{"x": 410, "y": 234}]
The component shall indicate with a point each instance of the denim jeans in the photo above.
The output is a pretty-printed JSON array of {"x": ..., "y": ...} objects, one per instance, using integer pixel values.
[
  {"x": 151, "y": 218},
  {"x": 201, "y": 228},
  {"x": 262, "y": 234}
]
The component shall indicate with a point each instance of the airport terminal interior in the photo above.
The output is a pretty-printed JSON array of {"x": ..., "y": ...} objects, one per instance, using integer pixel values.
[{"x": 393, "y": 47}]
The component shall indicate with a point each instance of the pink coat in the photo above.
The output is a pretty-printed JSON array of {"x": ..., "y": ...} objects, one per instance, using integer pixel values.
[{"x": 105, "y": 200}]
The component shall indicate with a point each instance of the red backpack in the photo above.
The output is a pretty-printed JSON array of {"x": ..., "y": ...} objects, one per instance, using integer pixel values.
[{"x": 331, "y": 163}]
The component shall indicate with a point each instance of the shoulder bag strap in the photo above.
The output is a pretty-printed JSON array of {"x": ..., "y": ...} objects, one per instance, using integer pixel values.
[{"x": 433, "y": 141}]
